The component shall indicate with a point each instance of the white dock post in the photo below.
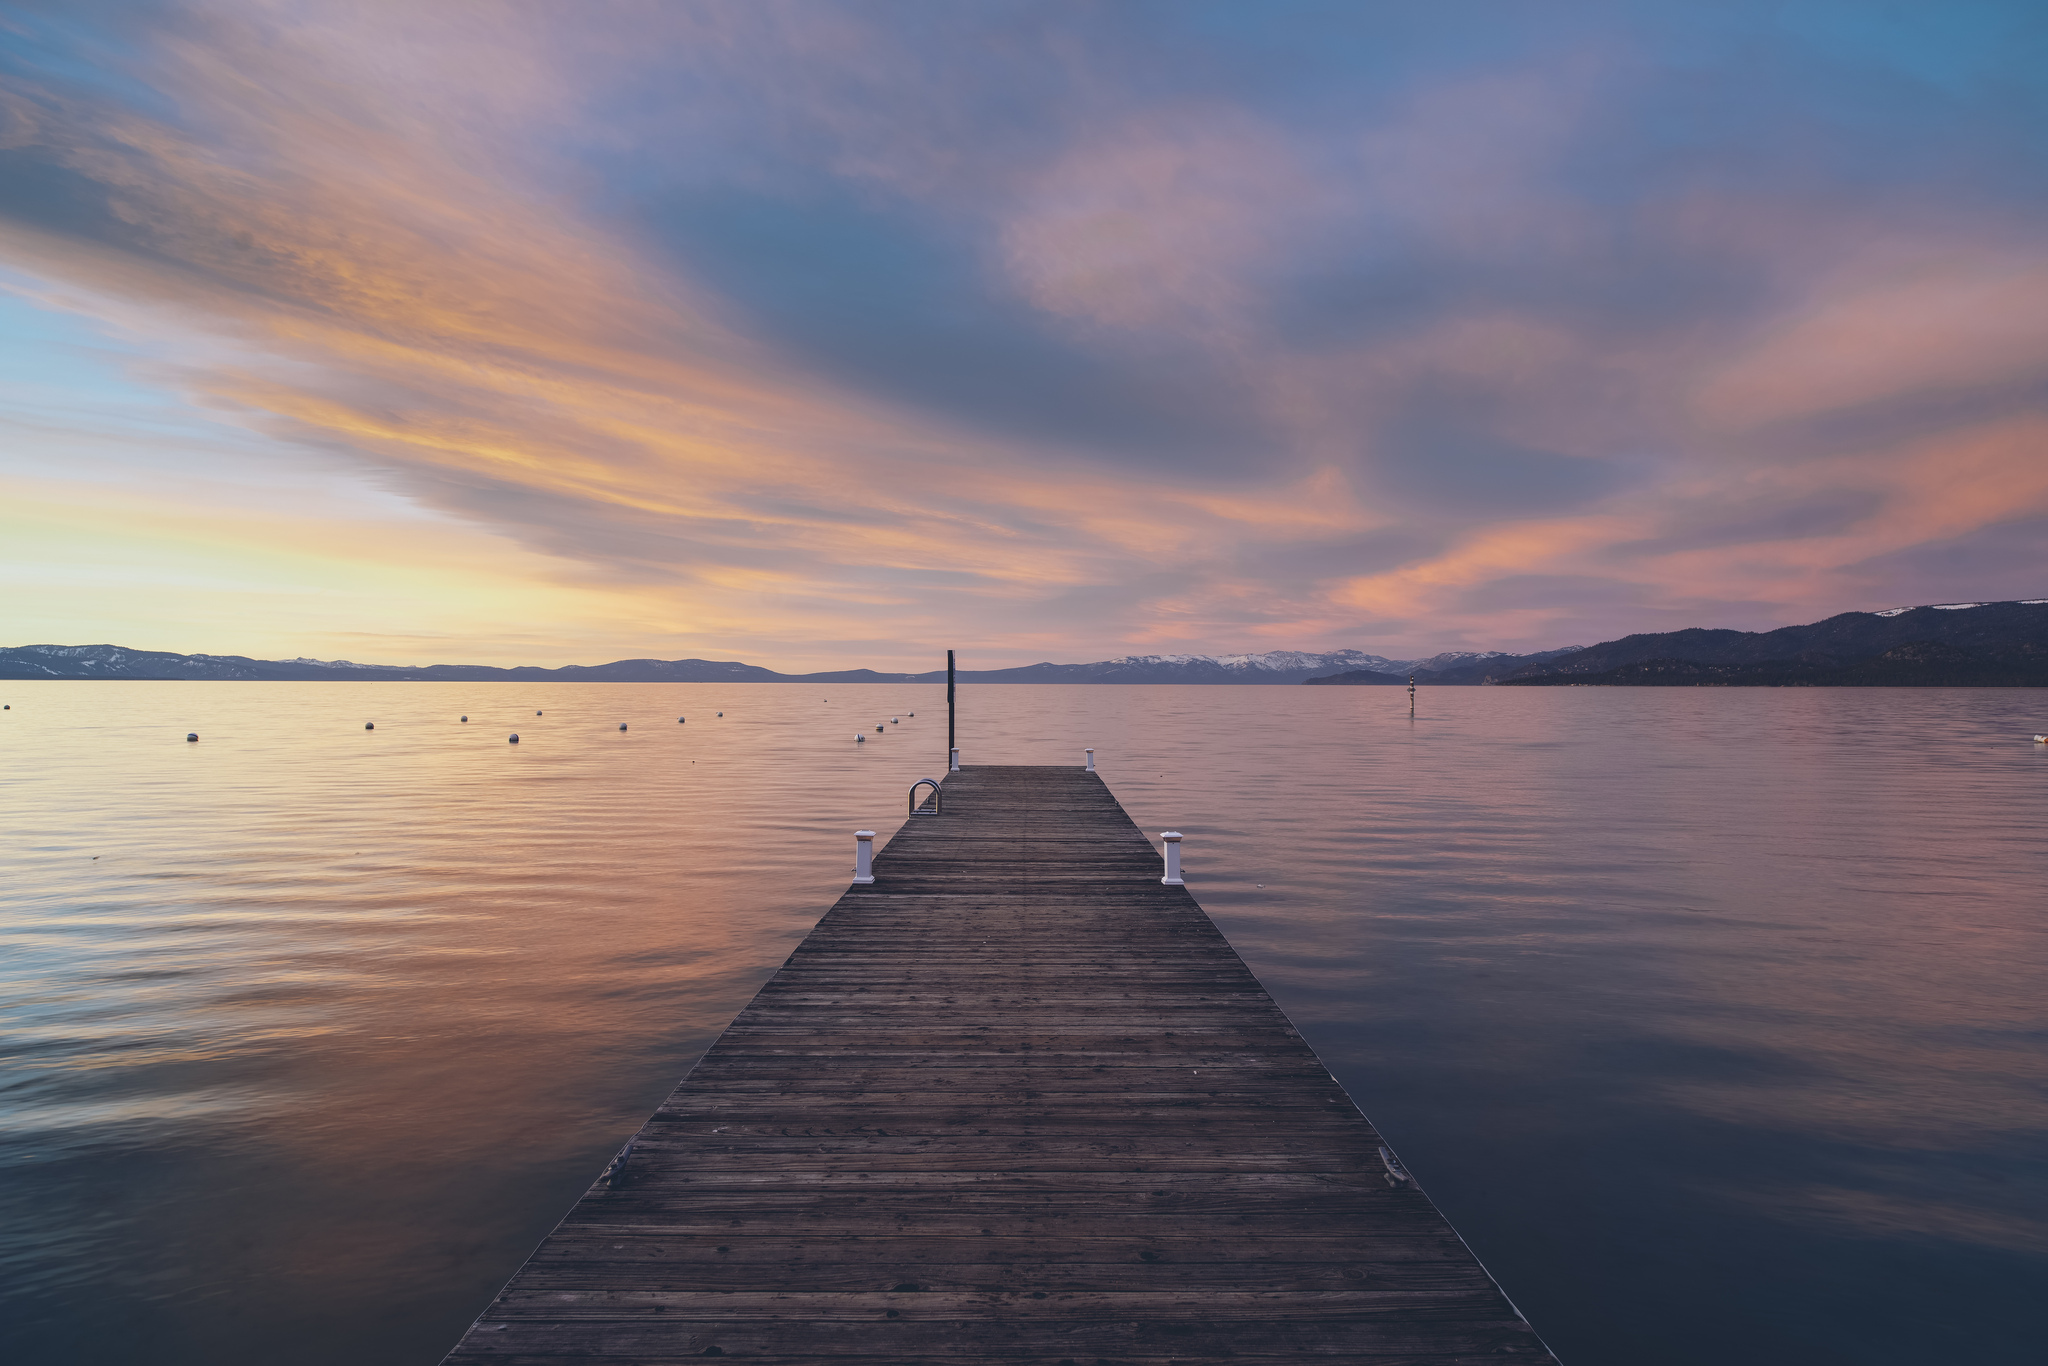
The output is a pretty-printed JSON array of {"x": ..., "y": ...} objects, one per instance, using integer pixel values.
[
  {"x": 956, "y": 760},
  {"x": 1091, "y": 760},
  {"x": 864, "y": 856},
  {"x": 1172, "y": 878}
]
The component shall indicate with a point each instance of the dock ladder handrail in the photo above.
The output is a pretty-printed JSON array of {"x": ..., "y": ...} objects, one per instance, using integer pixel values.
[{"x": 938, "y": 797}]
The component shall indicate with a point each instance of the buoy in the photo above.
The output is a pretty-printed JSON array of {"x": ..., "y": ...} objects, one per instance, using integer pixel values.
[
  {"x": 536, "y": 713},
  {"x": 878, "y": 730},
  {"x": 859, "y": 739},
  {"x": 679, "y": 720},
  {"x": 895, "y": 720},
  {"x": 194, "y": 735},
  {"x": 514, "y": 739},
  {"x": 465, "y": 718},
  {"x": 721, "y": 713},
  {"x": 622, "y": 725},
  {"x": 369, "y": 725},
  {"x": 2041, "y": 739},
  {"x": 913, "y": 713}
]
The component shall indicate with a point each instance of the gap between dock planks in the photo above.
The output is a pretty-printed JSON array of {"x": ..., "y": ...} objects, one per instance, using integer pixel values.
[{"x": 1019, "y": 1102}]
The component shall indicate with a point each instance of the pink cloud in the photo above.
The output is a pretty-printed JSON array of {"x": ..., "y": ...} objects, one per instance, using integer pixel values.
[{"x": 424, "y": 246}]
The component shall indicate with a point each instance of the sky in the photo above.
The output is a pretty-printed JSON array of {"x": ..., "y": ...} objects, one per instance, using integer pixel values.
[{"x": 822, "y": 335}]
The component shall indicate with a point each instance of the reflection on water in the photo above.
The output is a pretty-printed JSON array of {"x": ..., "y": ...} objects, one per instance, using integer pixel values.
[{"x": 1712, "y": 1018}]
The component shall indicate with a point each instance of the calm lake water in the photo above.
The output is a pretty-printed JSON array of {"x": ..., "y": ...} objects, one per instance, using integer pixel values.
[{"x": 1714, "y": 1019}]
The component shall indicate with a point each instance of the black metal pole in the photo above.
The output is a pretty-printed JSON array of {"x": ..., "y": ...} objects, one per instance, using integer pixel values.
[{"x": 951, "y": 740}]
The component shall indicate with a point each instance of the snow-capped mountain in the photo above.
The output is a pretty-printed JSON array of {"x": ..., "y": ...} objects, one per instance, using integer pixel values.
[
  {"x": 1454, "y": 659},
  {"x": 1273, "y": 661},
  {"x": 1956, "y": 606},
  {"x": 1449, "y": 666},
  {"x": 329, "y": 663}
]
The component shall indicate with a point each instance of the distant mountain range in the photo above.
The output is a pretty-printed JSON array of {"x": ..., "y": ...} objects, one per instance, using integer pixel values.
[
  {"x": 1986, "y": 644},
  {"x": 1955, "y": 644},
  {"x": 1461, "y": 667},
  {"x": 1279, "y": 666}
]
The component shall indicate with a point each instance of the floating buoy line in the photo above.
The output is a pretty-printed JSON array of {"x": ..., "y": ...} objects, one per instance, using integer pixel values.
[{"x": 881, "y": 728}]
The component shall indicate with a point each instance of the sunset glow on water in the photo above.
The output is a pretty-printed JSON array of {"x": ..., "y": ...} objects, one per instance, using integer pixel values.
[{"x": 1685, "y": 1005}]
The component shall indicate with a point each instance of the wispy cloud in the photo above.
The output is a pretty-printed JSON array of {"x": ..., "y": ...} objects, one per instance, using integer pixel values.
[{"x": 800, "y": 332}]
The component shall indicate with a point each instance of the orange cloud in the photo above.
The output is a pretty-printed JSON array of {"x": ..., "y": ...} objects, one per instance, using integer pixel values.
[
  {"x": 407, "y": 257},
  {"x": 1904, "y": 323}
]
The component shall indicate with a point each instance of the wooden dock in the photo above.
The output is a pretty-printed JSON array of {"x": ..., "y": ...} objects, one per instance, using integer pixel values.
[{"x": 1019, "y": 1102}]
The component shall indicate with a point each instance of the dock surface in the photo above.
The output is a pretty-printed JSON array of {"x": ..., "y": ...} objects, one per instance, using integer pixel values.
[{"x": 1016, "y": 1101}]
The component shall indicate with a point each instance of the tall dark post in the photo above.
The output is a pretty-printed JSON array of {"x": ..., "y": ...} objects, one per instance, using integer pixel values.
[{"x": 952, "y": 741}]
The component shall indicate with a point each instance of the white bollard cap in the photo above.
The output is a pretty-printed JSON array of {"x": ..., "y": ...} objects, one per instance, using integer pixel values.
[
  {"x": 863, "y": 834},
  {"x": 1172, "y": 836}
]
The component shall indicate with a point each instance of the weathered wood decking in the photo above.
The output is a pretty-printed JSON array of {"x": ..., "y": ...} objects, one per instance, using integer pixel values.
[{"x": 1016, "y": 1102}]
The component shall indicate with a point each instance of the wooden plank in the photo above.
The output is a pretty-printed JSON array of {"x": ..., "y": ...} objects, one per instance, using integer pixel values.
[{"x": 1015, "y": 1101}]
